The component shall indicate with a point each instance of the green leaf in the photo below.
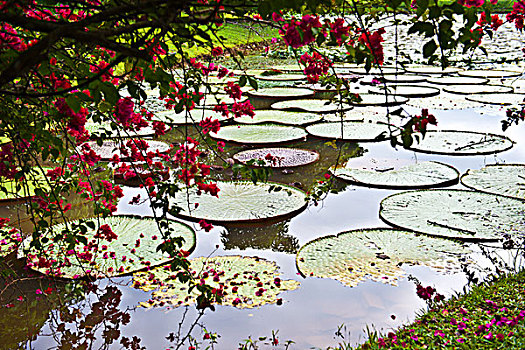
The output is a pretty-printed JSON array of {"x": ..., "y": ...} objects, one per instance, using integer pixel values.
[{"x": 429, "y": 48}]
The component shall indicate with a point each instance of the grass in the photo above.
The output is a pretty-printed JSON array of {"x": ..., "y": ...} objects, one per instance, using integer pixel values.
[{"x": 490, "y": 316}]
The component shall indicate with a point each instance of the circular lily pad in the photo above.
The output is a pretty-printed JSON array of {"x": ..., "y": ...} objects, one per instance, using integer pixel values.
[
  {"x": 493, "y": 73},
  {"x": 24, "y": 189},
  {"x": 350, "y": 131},
  {"x": 280, "y": 117},
  {"x": 432, "y": 70},
  {"x": 478, "y": 89},
  {"x": 107, "y": 130},
  {"x": 259, "y": 133},
  {"x": 458, "y": 214},
  {"x": 110, "y": 148},
  {"x": 370, "y": 114},
  {"x": 377, "y": 71},
  {"x": 212, "y": 100},
  {"x": 461, "y": 143},
  {"x": 136, "y": 245},
  {"x": 194, "y": 116},
  {"x": 282, "y": 77},
  {"x": 313, "y": 106},
  {"x": 503, "y": 179},
  {"x": 240, "y": 202},
  {"x": 457, "y": 80},
  {"x": 279, "y": 157},
  {"x": 246, "y": 282},
  {"x": 404, "y": 78},
  {"x": 498, "y": 99},
  {"x": 279, "y": 92},
  {"x": 411, "y": 91},
  {"x": 444, "y": 101},
  {"x": 380, "y": 100},
  {"x": 377, "y": 254},
  {"x": 412, "y": 176}
]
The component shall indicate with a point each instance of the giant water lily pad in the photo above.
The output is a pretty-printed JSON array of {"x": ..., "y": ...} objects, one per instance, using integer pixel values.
[
  {"x": 107, "y": 130},
  {"x": 314, "y": 106},
  {"x": 504, "y": 179},
  {"x": 282, "y": 77},
  {"x": 380, "y": 100},
  {"x": 432, "y": 70},
  {"x": 412, "y": 91},
  {"x": 478, "y": 89},
  {"x": 14, "y": 190},
  {"x": 110, "y": 148},
  {"x": 239, "y": 202},
  {"x": 461, "y": 143},
  {"x": 444, "y": 101},
  {"x": 133, "y": 250},
  {"x": 247, "y": 282},
  {"x": 259, "y": 133},
  {"x": 277, "y": 157},
  {"x": 457, "y": 80},
  {"x": 464, "y": 215},
  {"x": 376, "y": 71},
  {"x": 498, "y": 99},
  {"x": 280, "y": 117},
  {"x": 211, "y": 100},
  {"x": 377, "y": 254},
  {"x": 350, "y": 131},
  {"x": 493, "y": 73},
  {"x": 194, "y": 116},
  {"x": 371, "y": 114},
  {"x": 281, "y": 92},
  {"x": 411, "y": 176}
]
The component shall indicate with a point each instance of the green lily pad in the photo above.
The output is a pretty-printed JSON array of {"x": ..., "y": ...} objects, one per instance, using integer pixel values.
[
  {"x": 137, "y": 242},
  {"x": 461, "y": 143},
  {"x": 105, "y": 128},
  {"x": 281, "y": 92},
  {"x": 194, "y": 116},
  {"x": 247, "y": 282},
  {"x": 380, "y": 100},
  {"x": 259, "y": 133},
  {"x": 458, "y": 214},
  {"x": 370, "y": 114},
  {"x": 282, "y": 77},
  {"x": 498, "y": 99},
  {"x": 212, "y": 100},
  {"x": 411, "y": 91},
  {"x": 239, "y": 202},
  {"x": 376, "y": 71},
  {"x": 432, "y": 70},
  {"x": 350, "y": 131},
  {"x": 412, "y": 176},
  {"x": 444, "y": 101},
  {"x": 377, "y": 254},
  {"x": 280, "y": 157},
  {"x": 457, "y": 80},
  {"x": 503, "y": 179},
  {"x": 22, "y": 190},
  {"x": 404, "y": 78},
  {"x": 478, "y": 89},
  {"x": 314, "y": 106},
  {"x": 280, "y": 117},
  {"x": 493, "y": 73},
  {"x": 110, "y": 148}
]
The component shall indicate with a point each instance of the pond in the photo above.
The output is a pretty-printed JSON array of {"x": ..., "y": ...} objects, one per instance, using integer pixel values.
[{"x": 320, "y": 313}]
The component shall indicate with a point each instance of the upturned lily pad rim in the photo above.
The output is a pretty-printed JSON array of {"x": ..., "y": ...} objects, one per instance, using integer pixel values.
[
  {"x": 260, "y": 143},
  {"x": 430, "y": 91},
  {"x": 248, "y": 222},
  {"x": 467, "y": 173},
  {"x": 242, "y": 120},
  {"x": 461, "y": 239},
  {"x": 302, "y": 92},
  {"x": 412, "y": 148},
  {"x": 287, "y": 77},
  {"x": 477, "y": 73},
  {"x": 388, "y": 229},
  {"x": 235, "y": 156},
  {"x": 340, "y": 107},
  {"x": 129, "y": 273},
  {"x": 481, "y": 98},
  {"x": 465, "y": 86},
  {"x": 393, "y": 100},
  {"x": 439, "y": 80},
  {"x": 342, "y": 138},
  {"x": 447, "y": 183}
]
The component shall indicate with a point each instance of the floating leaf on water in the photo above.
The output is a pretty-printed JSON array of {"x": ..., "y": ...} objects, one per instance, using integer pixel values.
[
  {"x": 110, "y": 148},
  {"x": 404, "y": 78},
  {"x": 21, "y": 190},
  {"x": 444, "y": 101},
  {"x": 503, "y": 179},
  {"x": 105, "y": 128},
  {"x": 377, "y": 254},
  {"x": 136, "y": 245},
  {"x": 457, "y": 80},
  {"x": 211, "y": 100},
  {"x": 461, "y": 143},
  {"x": 464, "y": 215},
  {"x": 411, "y": 91},
  {"x": 282, "y": 77},
  {"x": 281, "y": 92},
  {"x": 280, "y": 157},
  {"x": 498, "y": 99},
  {"x": 248, "y": 282},
  {"x": 370, "y": 114},
  {"x": 478, "y": 89},
  {"x": 432, "y": 70},
  {"x": 194, "y": 116},
  {"x": 376, "y": 71},
  {"x": 259, "y": 133},
  {"x": 412, "y": 176},
  {"x": 380, "y": 100},
  {"x": 492, "y": 73},
  {"x": 240, "y": 202},
  {"x": 280, "y": 117},
  {"x": 350, "y": 131},
  {"x": 314, "y": 106}
]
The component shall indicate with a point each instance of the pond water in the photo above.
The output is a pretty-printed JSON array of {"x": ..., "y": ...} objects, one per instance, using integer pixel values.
[{"x": 310, "y": 315}]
